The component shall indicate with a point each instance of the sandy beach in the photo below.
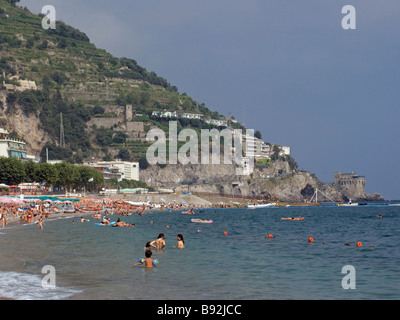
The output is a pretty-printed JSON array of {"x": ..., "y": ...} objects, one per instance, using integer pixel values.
[{"x": 185, "y": 199}]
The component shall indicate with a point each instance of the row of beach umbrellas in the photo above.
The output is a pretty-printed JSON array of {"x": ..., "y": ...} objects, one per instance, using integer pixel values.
[
  {"x": 5, "y": 186},
  {"x": 13, "y": 200}
]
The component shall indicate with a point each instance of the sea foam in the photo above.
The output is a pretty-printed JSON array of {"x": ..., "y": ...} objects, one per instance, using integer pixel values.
[{"x": 23, "y": 286}]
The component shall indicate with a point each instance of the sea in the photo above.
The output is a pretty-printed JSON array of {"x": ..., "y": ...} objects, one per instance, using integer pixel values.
[{"x": 233, "y": 258}]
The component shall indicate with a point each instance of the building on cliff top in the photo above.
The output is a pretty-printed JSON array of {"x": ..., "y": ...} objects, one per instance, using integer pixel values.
[{"x": 350, "y": 184}]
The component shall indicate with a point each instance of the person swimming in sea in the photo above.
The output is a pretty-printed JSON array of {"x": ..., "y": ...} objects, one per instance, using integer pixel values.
[
  {"x": 181, "y": 242},
  {"x": 159, "y": 243},
  {"x": 148, "y": 261},
  {"x": 120, "y": 223}
]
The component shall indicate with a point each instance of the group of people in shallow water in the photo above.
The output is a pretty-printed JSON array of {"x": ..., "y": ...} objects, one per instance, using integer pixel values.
[{"x": 158, "y": 244}]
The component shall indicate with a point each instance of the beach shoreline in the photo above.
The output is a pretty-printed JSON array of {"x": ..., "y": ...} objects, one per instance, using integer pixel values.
[
  {"x": 192, "y": 200},
  {"x": 85, "y": 272},
  {"x": 16, "y": 221}
]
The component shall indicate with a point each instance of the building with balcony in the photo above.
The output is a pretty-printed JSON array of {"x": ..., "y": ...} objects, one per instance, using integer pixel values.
[
  {"x": 10, "y": 147},
  {"x": 117, "y": 169}
]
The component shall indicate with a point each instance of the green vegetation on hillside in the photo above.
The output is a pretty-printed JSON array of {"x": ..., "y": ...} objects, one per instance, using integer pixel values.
[
  {"x": 73, "y": 77},
  {"x": 80, "y": 81}
]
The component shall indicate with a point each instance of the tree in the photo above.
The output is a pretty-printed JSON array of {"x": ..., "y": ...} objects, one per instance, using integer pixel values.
[
  {"x": 124, "y": 154},
  {"x": 144, "y": 98},
  {"x": 88, "y": 177},
  {"x": 55, "y": 152},
  {"x": 83, "y": 177},
  {"x": 29, "y": 43},
  {"x": 13, "y": 2},
  {"x": 275, "y": 155},
  {"x": 11, "y": 98},
  {"x": 12, "y": 171},
  {"x": 104, "y": 136},
  {"x": 59, "y": 77},
  {"x": 143, "y": 163},
  {"x": 119, "y": 137},
  {"x": 98, "y": 110},
  {"x": 257, "y": 134},
  {"x": 30, "y": 171},
  {"x": 47, "y": 173},
  {"x": 107, "y": 157},
  {"x": 43, "y": 45},
  {"x": 133, "y": 97},
  {"x": 68, "y": 174}
]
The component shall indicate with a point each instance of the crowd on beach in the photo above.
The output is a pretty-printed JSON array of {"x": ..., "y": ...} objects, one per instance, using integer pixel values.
[
  {"x": 32, "y": 211},
  {"x": 24, "y": 214}
]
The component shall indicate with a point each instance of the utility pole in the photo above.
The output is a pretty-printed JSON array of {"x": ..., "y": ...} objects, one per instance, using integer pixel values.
[{"x": 62, "y": 137}]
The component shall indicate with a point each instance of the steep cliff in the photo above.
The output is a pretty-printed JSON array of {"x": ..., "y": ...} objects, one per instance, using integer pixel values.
[
  {"x": 26, "y": 126},
  {"x": 276, "y": 183}
]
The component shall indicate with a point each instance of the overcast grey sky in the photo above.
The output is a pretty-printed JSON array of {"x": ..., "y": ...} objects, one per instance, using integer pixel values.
[{"x": 287, "y": 68}]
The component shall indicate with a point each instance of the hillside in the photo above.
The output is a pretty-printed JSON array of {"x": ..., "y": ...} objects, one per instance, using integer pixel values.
[
  {"x": 107, "y": 105},
  {"x": 66, "y": 73}
]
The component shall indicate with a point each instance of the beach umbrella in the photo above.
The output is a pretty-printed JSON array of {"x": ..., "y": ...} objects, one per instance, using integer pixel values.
[
  {"x": 31, "y": 200},
  {"x": 13, "y": 187},
  {"x": 11, "y": 200},
  {"x": 69, "y": 199},
  {"x": 2, "y": 185}
]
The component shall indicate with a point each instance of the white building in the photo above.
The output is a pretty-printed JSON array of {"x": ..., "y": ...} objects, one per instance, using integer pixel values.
[
  {"x": 123, "y": 169},
  {"x": 190, "y": 115},
  {"x": 11, "y": 147},
  {"x": 255, "y": 147},
  {"x": 285, "y": 151},
  {"x": 219, "y": 123},
  {"x": 165, "y": 114}
]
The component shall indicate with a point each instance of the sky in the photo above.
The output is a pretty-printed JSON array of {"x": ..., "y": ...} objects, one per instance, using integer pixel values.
[{"x": 287, "y": 68}]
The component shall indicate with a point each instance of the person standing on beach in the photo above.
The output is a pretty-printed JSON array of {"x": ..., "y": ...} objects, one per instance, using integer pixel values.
[{"x": 4, "y": 219}]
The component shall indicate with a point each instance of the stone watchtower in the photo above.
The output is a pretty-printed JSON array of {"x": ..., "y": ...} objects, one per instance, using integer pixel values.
[
  {"x": 350, "y": 185},
  {"x": 128, "y": 113}
]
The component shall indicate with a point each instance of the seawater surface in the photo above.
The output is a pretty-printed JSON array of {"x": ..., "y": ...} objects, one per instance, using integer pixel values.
[{"x": 94, "y": 262}]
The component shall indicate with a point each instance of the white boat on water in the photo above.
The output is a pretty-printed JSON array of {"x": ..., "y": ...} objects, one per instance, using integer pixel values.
[
  {"x": 347, "y": 204},
  {"x": 264, "y": 205}
]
